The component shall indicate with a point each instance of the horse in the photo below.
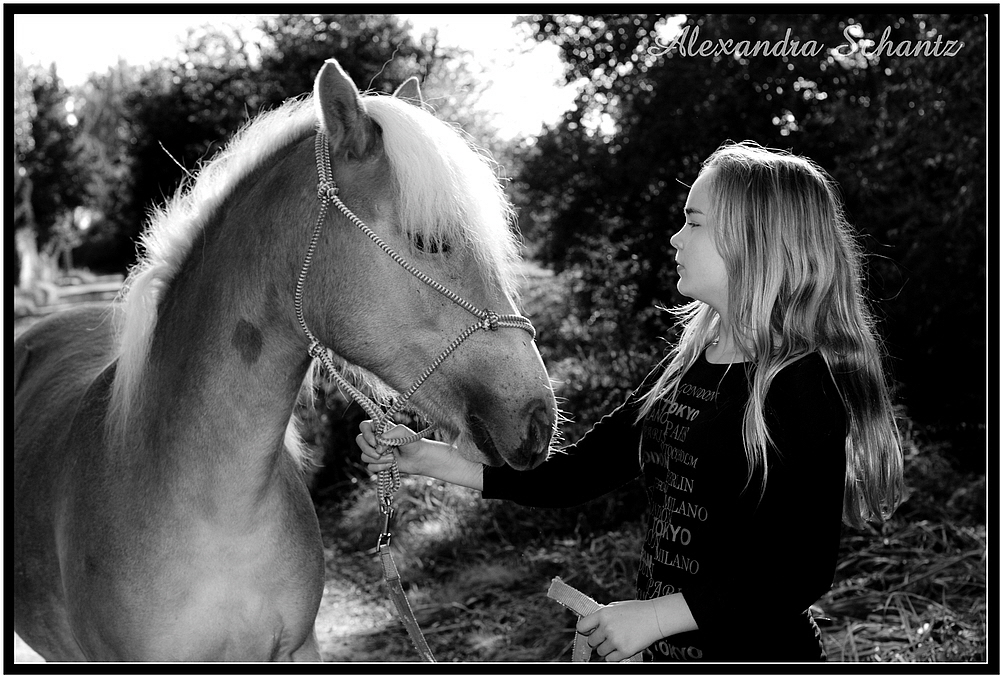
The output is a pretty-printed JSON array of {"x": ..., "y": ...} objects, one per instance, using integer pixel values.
[{"x": 160, "y": 506}]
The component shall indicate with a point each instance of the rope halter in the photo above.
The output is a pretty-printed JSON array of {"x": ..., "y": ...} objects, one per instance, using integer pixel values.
[{"x": 328, "y": 193}]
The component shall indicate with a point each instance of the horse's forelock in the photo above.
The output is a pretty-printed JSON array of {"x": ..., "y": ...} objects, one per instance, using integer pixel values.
[{"x": 447, "y": 187}]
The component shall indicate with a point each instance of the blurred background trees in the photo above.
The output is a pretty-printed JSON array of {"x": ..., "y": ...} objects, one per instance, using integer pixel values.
[{"x": 599, "y": 192}]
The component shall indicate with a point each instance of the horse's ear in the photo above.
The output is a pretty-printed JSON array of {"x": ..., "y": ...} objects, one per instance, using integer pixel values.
[
  {"x": 340, "y": 111},
  {"x": 410, "y": 91}
]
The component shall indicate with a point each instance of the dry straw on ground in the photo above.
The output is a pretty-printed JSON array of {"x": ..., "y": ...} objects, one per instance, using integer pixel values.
[{"x": 915, "y": 595}]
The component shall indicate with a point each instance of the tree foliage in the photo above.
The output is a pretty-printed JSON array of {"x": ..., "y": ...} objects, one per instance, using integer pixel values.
[
  {"x": 376, "y": 50},
  {"x": 903, "y": 136},
  {"x": 45, "y": 148},
  {"x": 106, "y": 146}
]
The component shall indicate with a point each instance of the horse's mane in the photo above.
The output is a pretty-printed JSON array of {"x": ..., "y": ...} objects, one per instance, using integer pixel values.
[
  {"x": 172, "y": 230},
  {"x": 449, "y": 193}
]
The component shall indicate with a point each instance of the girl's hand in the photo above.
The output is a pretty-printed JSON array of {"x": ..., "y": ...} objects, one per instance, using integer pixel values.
[
  {"x": 405, "y": 455},
  {"x": 621, "y": 629},
  {"x": 426, "y": 457}
]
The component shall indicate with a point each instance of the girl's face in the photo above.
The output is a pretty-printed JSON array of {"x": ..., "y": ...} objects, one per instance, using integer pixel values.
[{"x": 701, "y": 271}]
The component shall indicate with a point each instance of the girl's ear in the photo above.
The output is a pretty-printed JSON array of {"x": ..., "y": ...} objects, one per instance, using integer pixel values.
[{"x": 340, "y": 111}]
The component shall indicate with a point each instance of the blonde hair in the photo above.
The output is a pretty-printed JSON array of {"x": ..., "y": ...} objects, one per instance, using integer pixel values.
[{"x": 795, "y": 273}]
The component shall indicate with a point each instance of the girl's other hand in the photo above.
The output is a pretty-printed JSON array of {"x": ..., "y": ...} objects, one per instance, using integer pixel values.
[{"x": 621, "y": 629}]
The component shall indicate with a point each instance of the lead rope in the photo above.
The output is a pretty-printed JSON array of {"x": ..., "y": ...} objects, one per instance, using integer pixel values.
[{"x": 388, "y": 480}]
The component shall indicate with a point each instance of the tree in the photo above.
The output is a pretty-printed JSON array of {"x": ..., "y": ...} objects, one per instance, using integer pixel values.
[
  {"x": 50, "y": 160},
  {"x": 376, "y": 50},
  {"x": 105, "y": 142},
  {"x": 916, "y": 183},
  {"x": 24, "y": 113}
]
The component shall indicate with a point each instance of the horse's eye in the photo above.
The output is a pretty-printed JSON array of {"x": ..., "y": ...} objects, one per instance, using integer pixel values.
[{"x": 430, "y": 245}]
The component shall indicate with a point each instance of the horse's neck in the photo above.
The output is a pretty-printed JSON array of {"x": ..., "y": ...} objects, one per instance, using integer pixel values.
[{"x": 225, "y": 363}]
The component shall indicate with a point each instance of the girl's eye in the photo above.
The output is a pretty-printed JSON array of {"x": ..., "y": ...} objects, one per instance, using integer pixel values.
[{"x": 693, "y": 225}]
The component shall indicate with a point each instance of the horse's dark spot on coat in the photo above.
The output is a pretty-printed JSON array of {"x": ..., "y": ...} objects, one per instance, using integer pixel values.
[{"x": 248, "y": 341}]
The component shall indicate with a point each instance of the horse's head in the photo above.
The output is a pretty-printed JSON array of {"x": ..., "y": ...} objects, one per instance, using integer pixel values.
[{"x": 416, "y": 184}]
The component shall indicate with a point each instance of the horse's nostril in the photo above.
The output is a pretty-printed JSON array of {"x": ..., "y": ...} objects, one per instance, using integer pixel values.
[
  {"x": 542, "y": 418},
  {"x": 540, "y": 428}
]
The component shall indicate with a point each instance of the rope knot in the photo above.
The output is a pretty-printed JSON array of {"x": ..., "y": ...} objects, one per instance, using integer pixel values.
[
  {"x": 491, "y": 321},
  {"x": 316, "y": 349},
  {"x": 327, "y": 189}
]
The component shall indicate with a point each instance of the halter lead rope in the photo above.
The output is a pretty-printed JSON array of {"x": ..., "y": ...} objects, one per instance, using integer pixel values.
[{"x": 388, "y": 480}]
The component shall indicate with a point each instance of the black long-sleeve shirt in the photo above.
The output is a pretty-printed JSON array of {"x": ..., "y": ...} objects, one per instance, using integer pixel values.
[{"x": 748, "y": 564}]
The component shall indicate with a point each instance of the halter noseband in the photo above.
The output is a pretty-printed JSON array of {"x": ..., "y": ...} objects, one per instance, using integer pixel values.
[{"x": 327, "y": 192}]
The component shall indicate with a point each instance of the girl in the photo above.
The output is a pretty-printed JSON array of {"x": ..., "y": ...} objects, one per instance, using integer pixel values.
[{"x": 766, "y": 425}]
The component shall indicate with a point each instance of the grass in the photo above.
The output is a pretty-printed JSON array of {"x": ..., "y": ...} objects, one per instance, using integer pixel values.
[
  {"x": 915, "y": 589},
  {"x": 915, "y": 593}
]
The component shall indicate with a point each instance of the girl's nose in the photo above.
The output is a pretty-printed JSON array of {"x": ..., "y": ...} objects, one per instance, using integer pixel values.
[{"x": 675, "y": 240}]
